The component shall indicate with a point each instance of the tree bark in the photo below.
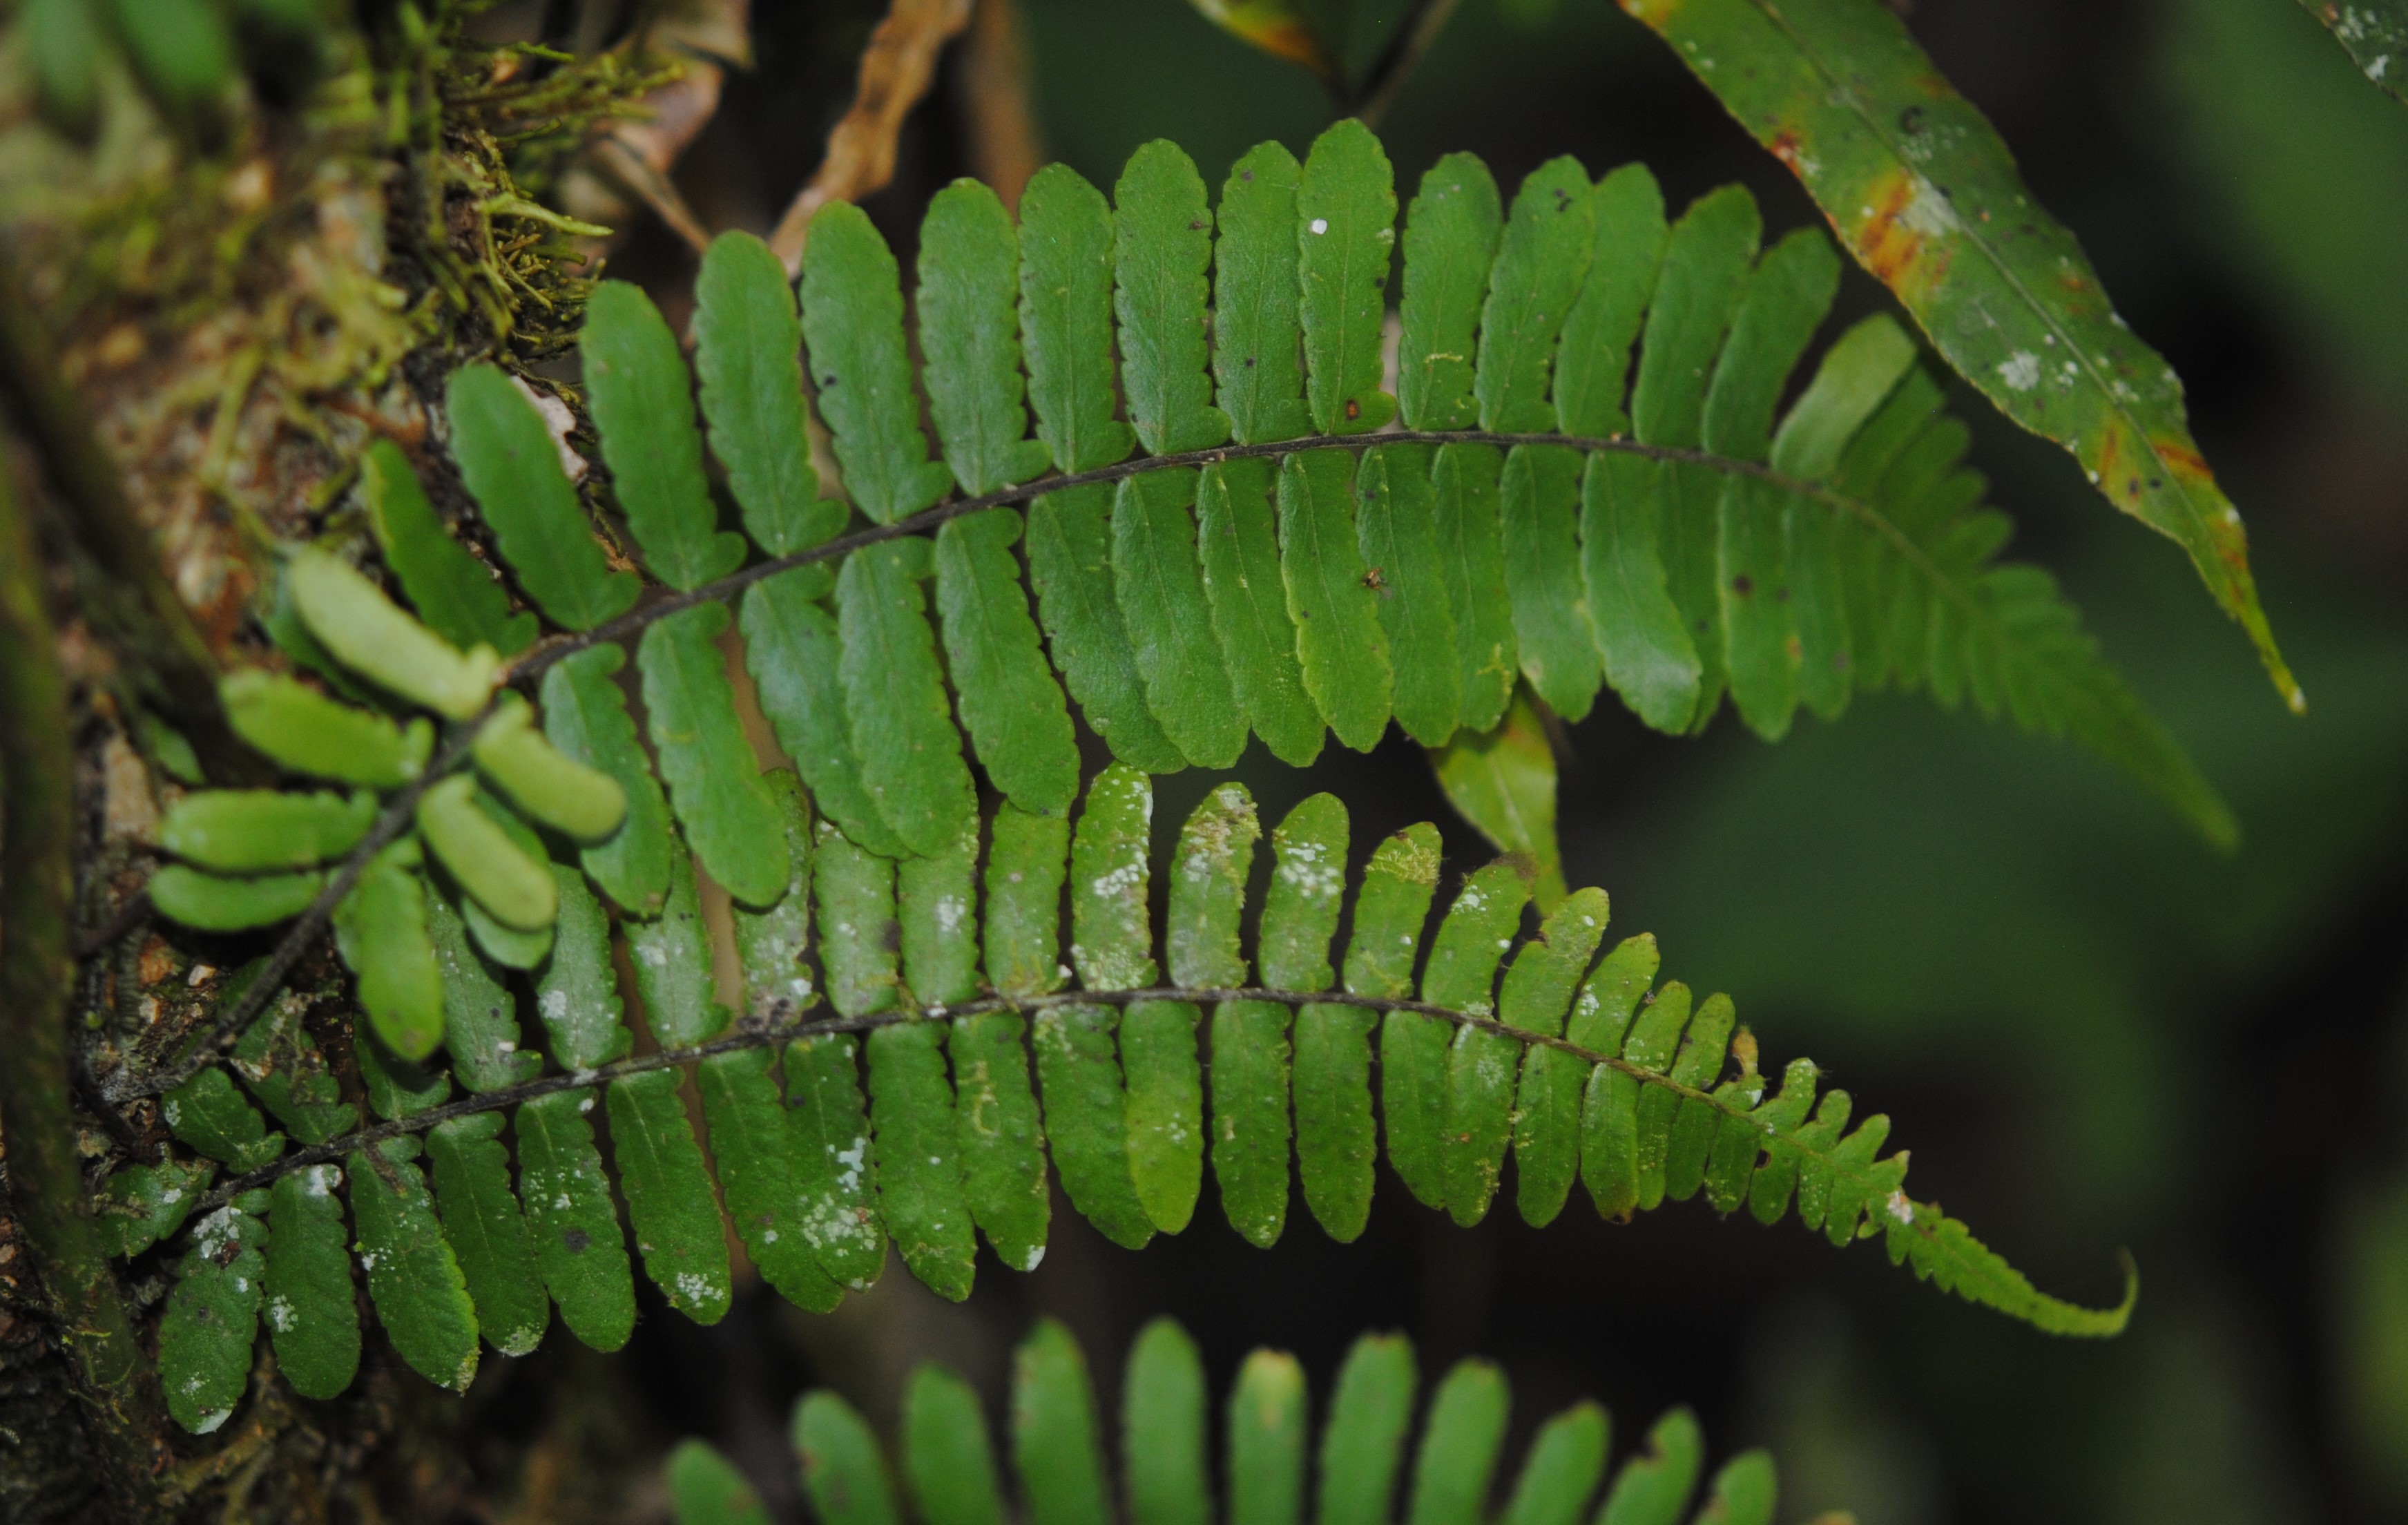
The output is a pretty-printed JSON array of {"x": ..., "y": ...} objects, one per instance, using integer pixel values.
[{"x": 36, "y": 890}]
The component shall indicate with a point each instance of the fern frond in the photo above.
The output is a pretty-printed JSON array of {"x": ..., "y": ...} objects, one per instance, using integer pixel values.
[
  {"x": 947, "y": 1461},
  {"x": 903, "y": 1109},
  {"x": 1583, "y": 521}
]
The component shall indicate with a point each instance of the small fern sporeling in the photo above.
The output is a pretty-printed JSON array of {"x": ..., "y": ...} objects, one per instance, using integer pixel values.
[{"x": 1584, "y": 480}]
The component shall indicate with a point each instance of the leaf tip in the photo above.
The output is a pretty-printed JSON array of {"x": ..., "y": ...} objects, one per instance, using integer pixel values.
[
  {"x": 2121, "y": 1315},
  {"x": 2099, "y": 1323}
]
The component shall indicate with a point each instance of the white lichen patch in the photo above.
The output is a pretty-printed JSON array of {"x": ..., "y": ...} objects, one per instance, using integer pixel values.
[
  {"x": 1927, "y": 211},
  {"x": 1308, "y": 868},
  {"x": 216, "y": 1233},
  {"x": 2020, "y": 371},
  {"x": 849, "y": 1163},
  {"x": 828, "y": 1223}
]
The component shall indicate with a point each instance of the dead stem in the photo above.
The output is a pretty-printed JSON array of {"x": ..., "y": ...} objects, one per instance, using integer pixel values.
[
  {"x": 1004, "y": 146},
  {"x": 895, "y": 71}
]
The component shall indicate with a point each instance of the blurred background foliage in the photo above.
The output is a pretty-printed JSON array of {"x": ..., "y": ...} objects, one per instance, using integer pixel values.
[{"x": 2092, "y": 1031}]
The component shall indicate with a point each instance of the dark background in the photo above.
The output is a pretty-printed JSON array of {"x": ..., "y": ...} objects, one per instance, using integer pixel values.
[{"x": 2092, "y": 1031}]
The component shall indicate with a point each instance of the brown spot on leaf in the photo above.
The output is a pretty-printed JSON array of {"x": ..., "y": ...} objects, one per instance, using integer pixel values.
[
  {"x": 2111, "y": 446},
  {"x": 2183, "y": 459},
  {"x": 1890, "y": 248}
]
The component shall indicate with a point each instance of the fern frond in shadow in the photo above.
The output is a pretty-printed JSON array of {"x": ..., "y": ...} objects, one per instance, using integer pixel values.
[{"x": 1367, "y": 1456}]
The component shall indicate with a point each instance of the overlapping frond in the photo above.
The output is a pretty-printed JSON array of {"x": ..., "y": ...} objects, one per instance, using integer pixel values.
[
  {"x": 1371, "y": 1452},
  {"x": 915, "y": 1042}
]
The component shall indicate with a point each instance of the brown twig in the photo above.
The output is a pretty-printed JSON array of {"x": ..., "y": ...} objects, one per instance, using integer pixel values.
[
  {"x": 895, "y": 70},
  {"x": 1404, "y": 57},
  {"x": 1005, "y": 147},
  {"x": 630, "y": 169}
]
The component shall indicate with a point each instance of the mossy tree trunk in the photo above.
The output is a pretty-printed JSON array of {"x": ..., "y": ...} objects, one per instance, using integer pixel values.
[{"x": 200, "y": 330}]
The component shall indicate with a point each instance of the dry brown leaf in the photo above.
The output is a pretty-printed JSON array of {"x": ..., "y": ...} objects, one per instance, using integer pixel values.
[
  {"x": 636, "y": 171},
  {"x": 636, "y": 156}
]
